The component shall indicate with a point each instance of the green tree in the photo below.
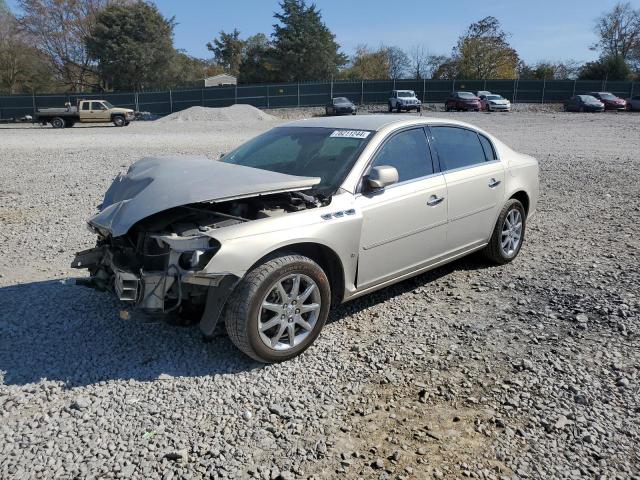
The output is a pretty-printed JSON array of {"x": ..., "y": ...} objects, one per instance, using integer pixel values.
[
  {"x": 367, "y": 64},
  {"x": 546, "y": 70},
  {"x": 607, "y": 68},
  {"x": 185, "y": 70},
  {"x": 484, "y": 52},
  {"x": 133, "y": 46},
  {"x": 258, "y": 60},
  {"x": 305, "y": 49},
  {"x": 228, "y": 51}
]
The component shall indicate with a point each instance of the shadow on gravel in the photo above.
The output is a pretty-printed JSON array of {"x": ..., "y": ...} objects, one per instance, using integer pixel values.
[
  {"x": 61, "y": 332},
  {"x": 471, "y": 262}
]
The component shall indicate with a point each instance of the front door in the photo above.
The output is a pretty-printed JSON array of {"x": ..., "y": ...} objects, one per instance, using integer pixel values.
[
  {"x": 475, "y": 184},
  {"x": 404, "y": 225},
  {"x": 94, "y": 112}
]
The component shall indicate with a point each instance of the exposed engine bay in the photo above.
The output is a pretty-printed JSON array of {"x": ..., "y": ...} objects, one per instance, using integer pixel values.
[{"x": 157, "y": 265}]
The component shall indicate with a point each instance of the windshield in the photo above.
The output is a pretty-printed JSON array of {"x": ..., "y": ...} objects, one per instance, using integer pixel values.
[
  {"x": 466, "y": 95},
  {"x": 588, "y": 98},
  {"x": 406, "y": 94},
  {"x": 327, "y": 153},
  {"x": 107, "y": 104},
  {"x": 494, "y": 97},
  {"x": 341, "y": 100},
  {"x": 607, "y": 96}
]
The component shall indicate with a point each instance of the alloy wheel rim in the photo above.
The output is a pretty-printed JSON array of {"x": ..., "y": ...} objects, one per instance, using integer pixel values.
[
  {"x": 511, "y": 233},
  {"x": 289, "y": 311}
]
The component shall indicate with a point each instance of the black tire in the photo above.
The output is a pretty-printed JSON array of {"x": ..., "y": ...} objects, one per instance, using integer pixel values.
[
  {"x": 69, "y": 123},
  {"x": 390, "y": 107},
  {"x": 57, "y": 122},
  {"x": 126, "y": 124},
  {"x": 493, "y": 251},
  {"x": 419, "y": 109},
  {"x": 327, "y": 112},
  {"x": 244, "y": 306},
  {"x": 118, "y": 120},
  {"x": 447, "y": 108},
  {"x": 581, "y": 109},
  {"x": 399, "y": 108}
]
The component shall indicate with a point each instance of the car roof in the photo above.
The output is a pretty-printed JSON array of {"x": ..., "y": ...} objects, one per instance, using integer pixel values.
[{"x": 369, "y": 122}]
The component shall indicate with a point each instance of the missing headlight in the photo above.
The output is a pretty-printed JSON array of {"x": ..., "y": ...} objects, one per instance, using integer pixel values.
[{"x": 198, "y": 259}]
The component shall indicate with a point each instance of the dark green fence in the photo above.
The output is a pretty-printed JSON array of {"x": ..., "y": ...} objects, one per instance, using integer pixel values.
[{"x": 318, "y": 93}]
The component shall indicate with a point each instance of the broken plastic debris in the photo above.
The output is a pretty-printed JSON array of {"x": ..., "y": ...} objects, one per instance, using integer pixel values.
[{"x": 125, "y": 315}]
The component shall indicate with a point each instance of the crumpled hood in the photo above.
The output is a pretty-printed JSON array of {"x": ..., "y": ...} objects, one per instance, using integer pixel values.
[{"x": 152, "y": 185}]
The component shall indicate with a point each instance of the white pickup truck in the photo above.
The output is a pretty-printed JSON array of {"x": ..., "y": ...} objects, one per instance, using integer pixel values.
[{"x": 86, "y": 111}]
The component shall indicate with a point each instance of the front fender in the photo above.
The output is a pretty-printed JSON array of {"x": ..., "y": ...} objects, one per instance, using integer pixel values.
[{"x": 342, "y": 235}]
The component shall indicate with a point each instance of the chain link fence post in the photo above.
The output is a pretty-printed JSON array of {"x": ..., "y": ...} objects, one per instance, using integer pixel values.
[
  {"x": 424, "y": 89},
  {"x": 544, "y": 86},
  {"x": 298, "y": 85},
  {"x": 574, "y": 87},
  {"x": 170, "y": 101},
  {"x": 235, "y": 94},
  {"x": 361, "y": 92},
  {"x": 515, "y": 90}
]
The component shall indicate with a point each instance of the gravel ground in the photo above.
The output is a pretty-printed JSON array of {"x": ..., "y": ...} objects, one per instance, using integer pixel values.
[{"x": 530, "y": 370}]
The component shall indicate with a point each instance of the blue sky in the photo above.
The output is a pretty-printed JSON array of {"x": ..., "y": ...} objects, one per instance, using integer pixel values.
[{"x": 541, "y": 29}]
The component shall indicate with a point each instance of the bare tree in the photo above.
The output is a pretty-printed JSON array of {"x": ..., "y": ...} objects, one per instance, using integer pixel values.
[
  {"x": 399, "y": 62},
  {"x": 419, "y": 57},
  {"x": 60, "y": 28},
  {"x": 619, "y": 32},
  {"x": 22, "y": 67}
]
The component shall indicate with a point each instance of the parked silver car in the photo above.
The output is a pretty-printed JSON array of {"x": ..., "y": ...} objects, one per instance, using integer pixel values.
[{"x": 304, "y": 217}]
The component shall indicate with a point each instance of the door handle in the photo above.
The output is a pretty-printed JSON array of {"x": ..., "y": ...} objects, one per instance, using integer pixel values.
[
  {"x": 434, "y": 200},
  {"x": 494, "y": 183}
]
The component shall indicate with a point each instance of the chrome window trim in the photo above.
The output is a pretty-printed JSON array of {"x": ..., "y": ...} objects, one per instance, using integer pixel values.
[{"x": 382, "y": 143}]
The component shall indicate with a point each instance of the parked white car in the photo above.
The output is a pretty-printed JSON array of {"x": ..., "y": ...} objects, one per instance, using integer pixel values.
[
  {"x": 304, "y": 217},
  {"x": 492, "y": 102},
  {"x": 404, "y": 100}
]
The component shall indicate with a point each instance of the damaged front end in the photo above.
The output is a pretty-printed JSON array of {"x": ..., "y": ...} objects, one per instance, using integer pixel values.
[
  {"x": 160, "y": 264},
  {"x": 156, "y": 229}
]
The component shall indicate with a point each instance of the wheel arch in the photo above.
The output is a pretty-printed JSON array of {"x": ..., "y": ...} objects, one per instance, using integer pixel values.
[
  {"x": 324, "y": 256},
  {"x": 523, "y": 198}
]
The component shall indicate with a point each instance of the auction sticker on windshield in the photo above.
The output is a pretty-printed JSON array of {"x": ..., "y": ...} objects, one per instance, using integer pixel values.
[{"x": 350, "y": 134}]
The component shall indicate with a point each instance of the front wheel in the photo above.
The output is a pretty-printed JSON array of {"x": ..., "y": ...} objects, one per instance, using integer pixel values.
[
  {"x": 508, "y": 234},
  {"x": 279, "y": 308},
  {"x": 118, "y": 121}
]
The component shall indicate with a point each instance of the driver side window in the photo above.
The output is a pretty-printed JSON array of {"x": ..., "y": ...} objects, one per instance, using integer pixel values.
[{"x": 408, "y": 152}]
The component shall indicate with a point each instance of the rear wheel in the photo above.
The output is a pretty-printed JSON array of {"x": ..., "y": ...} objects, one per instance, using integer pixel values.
[
  {"x": 118, "y": 121},
  {"x": 398, "y": 108},
  {"x": 279, "y": 308},
  {"x": 390, "y": 107},
  {"x": 508, "y": 234},
  {"x": 57, "y": 122}
]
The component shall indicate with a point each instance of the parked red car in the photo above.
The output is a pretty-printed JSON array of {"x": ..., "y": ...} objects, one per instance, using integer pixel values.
[
  {"x": 462, "y": 101},
  {"x": 611, "y": 102}
]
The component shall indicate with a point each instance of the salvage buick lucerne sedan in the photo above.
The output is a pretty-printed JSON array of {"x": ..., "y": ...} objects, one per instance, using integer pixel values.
[{"x": 304, "y": 217}]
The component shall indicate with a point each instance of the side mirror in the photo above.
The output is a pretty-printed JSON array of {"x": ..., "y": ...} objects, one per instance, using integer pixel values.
[{"x": 381, "y": 177}]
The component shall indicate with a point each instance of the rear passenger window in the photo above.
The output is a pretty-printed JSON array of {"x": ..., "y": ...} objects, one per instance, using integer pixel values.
[
  {"x": 489, "y": 151},
  {"x": 409, "y": 153},
  {"x": 457, "y": 147},
  {"x": 85, "y": 106}
]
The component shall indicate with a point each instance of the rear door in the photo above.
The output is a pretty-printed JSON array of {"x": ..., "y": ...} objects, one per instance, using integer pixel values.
[
  {"x": 474, "y": 178},
  {"x": 404, "y": 225}
]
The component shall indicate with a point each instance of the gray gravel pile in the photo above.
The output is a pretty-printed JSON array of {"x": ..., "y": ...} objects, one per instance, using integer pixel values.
[
  {"x": 530, "y": 370},
  {"x": 234, "y": 113}
]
